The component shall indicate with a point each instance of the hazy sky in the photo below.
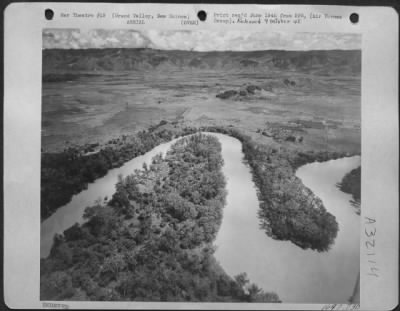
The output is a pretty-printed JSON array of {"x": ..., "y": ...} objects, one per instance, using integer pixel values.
[{"x": 197, "y": 40}]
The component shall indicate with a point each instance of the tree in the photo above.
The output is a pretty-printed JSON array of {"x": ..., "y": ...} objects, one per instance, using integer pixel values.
[
  {"x": 266, "y": 297},
  {"x": 55, "y": 284},
  {"x": 114, "y": 264},
  {"x": 253, "y": 290},
  {"x": 241, "y": 279}
]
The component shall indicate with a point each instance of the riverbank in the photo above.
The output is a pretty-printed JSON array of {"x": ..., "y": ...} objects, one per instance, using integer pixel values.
[
  {"x": 247, "y": 199},
  {"x": 67, "y": 173},
  {"x": 273, "y": 173},
  {"x": 326, "y": 277},
  {"x": 338, "y": 269},
  {"x": 153, "y": 240},
  {"x": 288, "y": 209},
  {"x": 351, "y": 184},
  {"x": 102, "y": 190},
  {"x": 298, "y": 275}
]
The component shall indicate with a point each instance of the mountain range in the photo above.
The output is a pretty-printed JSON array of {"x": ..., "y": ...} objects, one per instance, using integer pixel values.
[{"x": 324, "y": 62}]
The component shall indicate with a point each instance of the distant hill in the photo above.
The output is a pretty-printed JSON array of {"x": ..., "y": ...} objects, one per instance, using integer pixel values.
[{"x": 346, "y": 62}]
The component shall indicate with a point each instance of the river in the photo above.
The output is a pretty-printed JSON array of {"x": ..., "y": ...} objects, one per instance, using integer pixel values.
[
  {"x": 71, "y": 213},
  {"x": 296, "y": 275}
]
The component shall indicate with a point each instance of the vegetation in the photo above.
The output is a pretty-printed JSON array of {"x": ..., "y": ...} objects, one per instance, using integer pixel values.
[
  {"x": 345, "y": 62},
  {"x": 302, "y": 158},
  {"x": 288, "y": 210},
  {"x": 351, "y": 183},
  {"x": 153, "y": 240},
  {"x": 63, "y": 77},
  {"x": 69, "y": 172}
]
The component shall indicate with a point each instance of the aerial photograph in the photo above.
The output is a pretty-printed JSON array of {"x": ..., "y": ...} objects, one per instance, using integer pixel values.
[{"x": 200, "y": 166}]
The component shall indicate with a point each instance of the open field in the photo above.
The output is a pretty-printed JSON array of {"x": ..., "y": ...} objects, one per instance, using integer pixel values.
[{"x": 310, "y": 106}]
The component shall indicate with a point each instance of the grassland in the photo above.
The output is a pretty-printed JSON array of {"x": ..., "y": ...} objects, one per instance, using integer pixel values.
[{"x": 92, "y": 97}]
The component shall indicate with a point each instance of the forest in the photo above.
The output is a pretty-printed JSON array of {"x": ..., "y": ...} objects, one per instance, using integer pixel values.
[
  {"x": 153, "y": 241},
  {"x": 288, "y": 210},
  {"x": 351, "y": 184},
  {"x": 67, "y": 173}
]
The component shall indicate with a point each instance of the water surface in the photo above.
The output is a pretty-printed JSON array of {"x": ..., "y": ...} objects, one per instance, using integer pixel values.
[
  {"x": 71, "y": 213},
  {"x": 296, "y": 275}
]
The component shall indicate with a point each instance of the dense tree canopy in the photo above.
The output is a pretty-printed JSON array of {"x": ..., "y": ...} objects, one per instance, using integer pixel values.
[
  {"x": 351, "y": 183},
  {"x": 69, "y": 172},
  {"x": 153, "y": 240},
  {"x": 288, "y": 210}
]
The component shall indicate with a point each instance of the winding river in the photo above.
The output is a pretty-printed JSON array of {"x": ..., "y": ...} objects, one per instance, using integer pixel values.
[
  {"x": 296, "y": 275},
  {"x": 71, "y": 213}
]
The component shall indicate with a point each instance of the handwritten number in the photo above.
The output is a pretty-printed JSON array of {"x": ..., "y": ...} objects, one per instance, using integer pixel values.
[
  {"x": 370, "y": 220},
  {"x": 371, "y": 233},
  {"x": 372, "y": 244}
]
